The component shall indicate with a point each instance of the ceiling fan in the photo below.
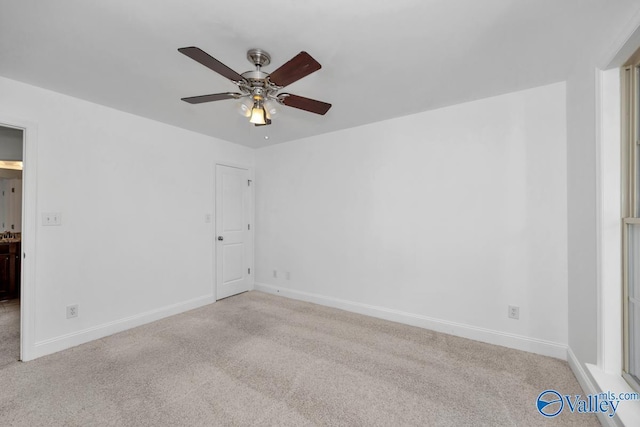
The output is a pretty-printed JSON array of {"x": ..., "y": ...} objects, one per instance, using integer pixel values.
[{"x": 260, "y": 88}]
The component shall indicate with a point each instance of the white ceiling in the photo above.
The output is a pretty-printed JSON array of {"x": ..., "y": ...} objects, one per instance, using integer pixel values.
[{"x": 381, "y": 59}]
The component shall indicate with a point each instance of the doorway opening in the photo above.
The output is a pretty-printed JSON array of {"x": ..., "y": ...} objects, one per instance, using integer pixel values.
[{"x": 11, "y": 165}]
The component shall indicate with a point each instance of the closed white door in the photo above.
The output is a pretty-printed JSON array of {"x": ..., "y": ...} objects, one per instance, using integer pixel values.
[{"x": 233, "y": 231}]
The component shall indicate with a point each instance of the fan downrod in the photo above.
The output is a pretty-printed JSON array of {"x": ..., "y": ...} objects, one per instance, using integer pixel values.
[{"x": 258, "y": 57}]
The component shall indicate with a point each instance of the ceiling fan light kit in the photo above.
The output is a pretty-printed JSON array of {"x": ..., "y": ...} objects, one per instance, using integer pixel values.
[
  {"x": 258, "y": 89},
  {"x": 258, "y": 114}
]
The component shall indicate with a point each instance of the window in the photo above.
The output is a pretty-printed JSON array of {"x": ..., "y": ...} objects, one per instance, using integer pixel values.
[{"x": 630, "y": 83}]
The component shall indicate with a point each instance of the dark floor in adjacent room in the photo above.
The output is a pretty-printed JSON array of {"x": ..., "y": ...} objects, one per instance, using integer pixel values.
[{"x": 9, "y": 331}]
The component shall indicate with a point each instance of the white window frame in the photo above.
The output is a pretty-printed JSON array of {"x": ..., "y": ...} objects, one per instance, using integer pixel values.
[{"x": 630, "y": 171}]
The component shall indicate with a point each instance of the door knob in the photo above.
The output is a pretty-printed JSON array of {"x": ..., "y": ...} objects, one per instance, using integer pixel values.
[{"x": 220, "y": 238}]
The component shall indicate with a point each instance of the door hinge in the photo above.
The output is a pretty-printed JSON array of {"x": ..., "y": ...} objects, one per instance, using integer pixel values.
[
  {"x": 249, "y": 182},
  {"x": 13, "y": 190},
  {"x": 249, "y": 270},
  {"x": 248, "y": 226}
]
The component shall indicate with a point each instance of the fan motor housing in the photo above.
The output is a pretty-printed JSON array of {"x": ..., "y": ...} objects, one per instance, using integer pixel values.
[{"x": 255, "y": 76}]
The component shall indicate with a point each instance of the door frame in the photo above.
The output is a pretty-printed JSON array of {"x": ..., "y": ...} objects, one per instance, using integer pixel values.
[
  {"x": 250, "y": 170},
  {"x": 29, "y": 228}
]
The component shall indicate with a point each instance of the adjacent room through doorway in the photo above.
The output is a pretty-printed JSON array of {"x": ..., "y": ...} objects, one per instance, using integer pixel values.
[{"x": 11, "y": 149}]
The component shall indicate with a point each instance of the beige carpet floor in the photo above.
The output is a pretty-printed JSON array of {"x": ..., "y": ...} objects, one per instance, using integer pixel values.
[{"x": 262, "y": 360}]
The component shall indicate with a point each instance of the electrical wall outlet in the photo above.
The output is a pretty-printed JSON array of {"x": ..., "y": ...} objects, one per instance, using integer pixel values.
[
  {"x": 72, "y": 311},
  {"x": 52, "y": 218},
  {"x": 514, "y": 312}
]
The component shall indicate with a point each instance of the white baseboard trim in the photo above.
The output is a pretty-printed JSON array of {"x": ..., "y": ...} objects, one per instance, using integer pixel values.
[
  {"x": 588, "y": 385},
  {"x": 584, "y": 379},
  {"x": 593, "y": 381},
  {"x": 63, "y": 342},
  {"x": 519, "y": 342}
]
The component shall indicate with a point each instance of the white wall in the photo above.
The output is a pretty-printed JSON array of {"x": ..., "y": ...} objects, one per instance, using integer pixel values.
[
  {"x": 10, "y": 144},
  {"x": 133, "y": 194},
  {"x": 442, "y": 219},
  {"x": 581, "y": 181}
]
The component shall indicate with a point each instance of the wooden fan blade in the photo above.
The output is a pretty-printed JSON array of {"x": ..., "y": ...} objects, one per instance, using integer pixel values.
[
  {"x": 306, "y": 104},
  {"x": 210, "y": 62},
  {"x": 213, "y": 97},
  {"x": 298, "y": 67}
]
